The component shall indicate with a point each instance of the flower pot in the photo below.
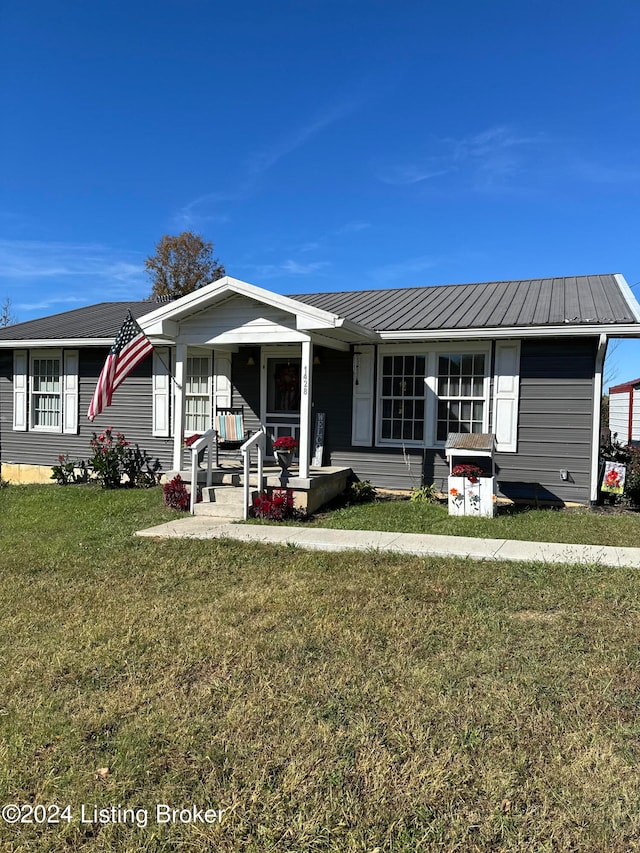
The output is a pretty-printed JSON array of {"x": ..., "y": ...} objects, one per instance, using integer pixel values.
[
  {"x": 471, "y": 498},
  {"x": 284, "y": 458}
]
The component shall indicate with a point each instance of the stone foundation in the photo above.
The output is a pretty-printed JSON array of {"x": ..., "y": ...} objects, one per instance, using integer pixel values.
[{"x": 21, "y": 474}]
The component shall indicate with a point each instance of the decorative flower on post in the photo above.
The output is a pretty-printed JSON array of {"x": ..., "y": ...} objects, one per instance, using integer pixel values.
[{"x": 456, "y": 496}]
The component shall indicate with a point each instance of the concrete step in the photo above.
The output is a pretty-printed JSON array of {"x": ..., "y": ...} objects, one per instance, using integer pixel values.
[
  {"x": 215, "y": 510},
  {"x": 219, "y": 477},
  {"x": 224, "y": 494},
  {"x": 223, "y": 502}
]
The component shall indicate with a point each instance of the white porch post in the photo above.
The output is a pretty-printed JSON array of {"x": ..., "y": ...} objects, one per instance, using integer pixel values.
[
  {"x": 178, "y": 409},
  {"x": 305, "y": 407}
]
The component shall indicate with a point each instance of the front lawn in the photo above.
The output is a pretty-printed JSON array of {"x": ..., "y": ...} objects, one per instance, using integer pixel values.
[
  {"x": 576, "y": 525},
  {"x": 325, "y": 702}
]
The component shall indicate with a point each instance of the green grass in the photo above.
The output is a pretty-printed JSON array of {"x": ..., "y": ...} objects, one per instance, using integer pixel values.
[
  {"x": 327, "y": 702},
  {"x": 576, "y": 525}
]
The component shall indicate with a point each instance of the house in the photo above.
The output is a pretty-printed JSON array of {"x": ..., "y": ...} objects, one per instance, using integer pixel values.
[
  {"x": 393, "y": 371},
  {"x": 624, "y": 412}
]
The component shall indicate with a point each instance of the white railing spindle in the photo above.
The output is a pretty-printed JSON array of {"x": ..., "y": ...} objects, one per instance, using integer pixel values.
[{"x": 259, "y": 441}]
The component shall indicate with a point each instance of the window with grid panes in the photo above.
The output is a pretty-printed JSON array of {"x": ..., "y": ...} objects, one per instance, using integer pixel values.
[
  {"x": 198, "y": 394},
  {"x": 46, "y": 393},
  {"x": 402, "y": 401},
  {"x": 461, "y": 399}
]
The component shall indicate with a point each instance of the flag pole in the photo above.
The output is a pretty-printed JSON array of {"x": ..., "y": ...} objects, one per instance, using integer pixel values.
[{"x": 158, "y": 356}]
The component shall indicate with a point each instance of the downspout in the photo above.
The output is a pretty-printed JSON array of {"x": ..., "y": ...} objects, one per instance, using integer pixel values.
[{"x": 597, "y": 409}]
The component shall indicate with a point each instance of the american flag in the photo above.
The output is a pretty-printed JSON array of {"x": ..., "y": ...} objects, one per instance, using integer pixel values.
[{"x": 130, "y": 347}]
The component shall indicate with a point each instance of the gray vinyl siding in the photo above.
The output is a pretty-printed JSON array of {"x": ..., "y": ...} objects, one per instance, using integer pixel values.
[
  {"x": 130, "y": 413},
  {"x": 555, "y": 421},
  {"x": 386, "y": 469},
  {"x": 332, "y": 392},
  {"x": 555, "y": 427}
]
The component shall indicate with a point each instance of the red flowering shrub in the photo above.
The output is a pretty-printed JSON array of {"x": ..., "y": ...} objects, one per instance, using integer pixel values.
[
  {"x": 274, "y": 507},
  {"x": 109, "y": 451},
  {"x": 175, "y": 494},
  {"x": 116, "y": 463}
]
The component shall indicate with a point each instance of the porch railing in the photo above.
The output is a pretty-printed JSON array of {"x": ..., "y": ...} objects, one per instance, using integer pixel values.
[
  {"x": 205, "y": 442},
  {"x": 259, "y": 441}
]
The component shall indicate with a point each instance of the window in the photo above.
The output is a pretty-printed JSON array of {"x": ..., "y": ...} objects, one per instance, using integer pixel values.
[
  {"x": 198, "y": 394},
  {"x": 461, "y": 401},
  {"x": 403, "y": 398},
  {"x": 424, "y": 394},
  {"x": 46, "y": 392}
]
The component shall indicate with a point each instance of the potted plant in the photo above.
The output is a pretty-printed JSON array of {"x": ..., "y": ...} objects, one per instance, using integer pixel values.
[{"x": 284, "y": 449}]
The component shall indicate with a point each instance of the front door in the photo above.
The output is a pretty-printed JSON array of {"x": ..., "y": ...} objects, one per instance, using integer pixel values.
[{"x": 281, "y": 396}]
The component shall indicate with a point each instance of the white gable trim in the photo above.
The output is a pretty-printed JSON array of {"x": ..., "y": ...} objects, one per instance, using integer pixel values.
[
  {"x": 162, "y": 321},
  {"x": 628, "y": 295}
]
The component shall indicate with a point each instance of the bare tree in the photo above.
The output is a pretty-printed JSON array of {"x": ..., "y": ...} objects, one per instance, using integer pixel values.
[
  {"x": 611, "y": 369},
  {"x": 7, "y": 317}
]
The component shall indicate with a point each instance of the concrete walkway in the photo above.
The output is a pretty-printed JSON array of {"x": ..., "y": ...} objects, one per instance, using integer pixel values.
[{"x": 423, "y": 545}]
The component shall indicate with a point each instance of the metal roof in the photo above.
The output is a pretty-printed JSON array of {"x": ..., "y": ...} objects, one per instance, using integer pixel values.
[
  {"x": 482, "y": 441},
  {"x": 95, "y": 321},
  {"x": 589, "y": 300},
  {"x": 572, "y": 300},
  {"x": 624, "y": 386}
]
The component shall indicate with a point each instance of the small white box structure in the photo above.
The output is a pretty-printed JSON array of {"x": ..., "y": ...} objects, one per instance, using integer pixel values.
[{"x": 467, "y": 497}]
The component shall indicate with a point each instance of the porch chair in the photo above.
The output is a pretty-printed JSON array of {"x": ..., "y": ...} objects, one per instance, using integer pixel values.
[{"x": 230, "y": 430}]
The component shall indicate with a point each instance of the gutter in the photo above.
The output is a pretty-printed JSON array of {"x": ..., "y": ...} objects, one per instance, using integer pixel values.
[
  {"x": 67, "y": 343},
  {"x": 620, "y": 330}
]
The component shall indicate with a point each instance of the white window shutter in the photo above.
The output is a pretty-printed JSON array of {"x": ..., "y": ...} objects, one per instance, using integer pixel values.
[
  {"x": 161, "y": 385},
  {"x": 222, "y": 378},
  {"x": 20, "y": 385},
  {"x": 71, "y": 363},
  {"x": 363, "y": 395},
  {"x": 506, "y": 393}
]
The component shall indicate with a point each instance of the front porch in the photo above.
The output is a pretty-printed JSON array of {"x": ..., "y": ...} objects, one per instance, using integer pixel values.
[{"x": 235, "y": 346}]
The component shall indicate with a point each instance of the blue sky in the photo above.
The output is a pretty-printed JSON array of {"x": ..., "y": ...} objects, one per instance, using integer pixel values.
[{"x": 320, "y": 145}]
